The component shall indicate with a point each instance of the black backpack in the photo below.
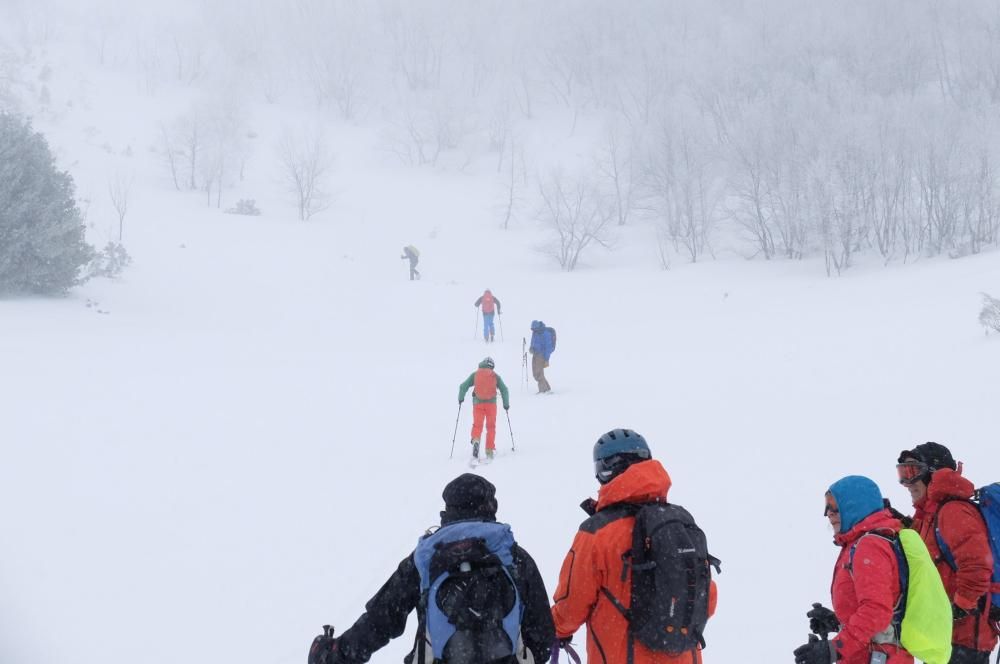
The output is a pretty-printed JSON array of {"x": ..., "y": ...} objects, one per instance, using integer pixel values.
[{"x": 671, "y": 575}]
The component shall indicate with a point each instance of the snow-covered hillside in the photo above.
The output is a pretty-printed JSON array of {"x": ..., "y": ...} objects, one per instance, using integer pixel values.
[{"x": 237, "y": 441}]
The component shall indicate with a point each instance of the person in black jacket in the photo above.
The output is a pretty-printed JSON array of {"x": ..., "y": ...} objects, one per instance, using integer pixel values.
[{"x": 470, "y": 503}]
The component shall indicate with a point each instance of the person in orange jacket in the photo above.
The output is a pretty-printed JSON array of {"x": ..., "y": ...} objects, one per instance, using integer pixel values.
[
  {"x": 594, "y": 575},
  {"x": 941, "y": 497}
]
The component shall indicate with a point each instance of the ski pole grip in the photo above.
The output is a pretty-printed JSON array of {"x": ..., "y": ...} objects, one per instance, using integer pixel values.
[{"x": 328, "y": 631}]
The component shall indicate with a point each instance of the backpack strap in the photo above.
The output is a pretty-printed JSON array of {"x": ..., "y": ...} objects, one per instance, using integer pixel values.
[
  {"x": 903, "y": 568},
  {"x": 946, "y": 555}
]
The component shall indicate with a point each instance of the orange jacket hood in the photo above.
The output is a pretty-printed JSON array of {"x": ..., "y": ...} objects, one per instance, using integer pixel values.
[{"x": 643, "y": 482}]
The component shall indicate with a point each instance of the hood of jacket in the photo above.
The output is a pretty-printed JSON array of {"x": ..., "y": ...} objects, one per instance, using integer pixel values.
[
  {"x": 946, "y": 484},
  {"x": 882, "y": 521},
  {"x": 641, "y": 482},
  {"x": 857, "y": 497}
]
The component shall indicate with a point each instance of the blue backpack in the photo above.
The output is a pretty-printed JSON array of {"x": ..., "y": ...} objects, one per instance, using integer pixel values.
[
  {"x": 471, "y": 604},
  {"x": 987, "y": 499}
]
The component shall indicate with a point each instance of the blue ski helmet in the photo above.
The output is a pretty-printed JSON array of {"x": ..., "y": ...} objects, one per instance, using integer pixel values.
[{"x": 617, "y": 450}]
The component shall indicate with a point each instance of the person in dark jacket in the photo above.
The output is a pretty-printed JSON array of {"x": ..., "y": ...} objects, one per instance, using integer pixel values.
[
  {"x": 470, "y": 502},
  {"x": 410, "y": 253},
  {"x": 941, "y": 497},
  {"x": 542, "y": 345}
]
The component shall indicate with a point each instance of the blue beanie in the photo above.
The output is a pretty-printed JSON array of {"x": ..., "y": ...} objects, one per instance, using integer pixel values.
[{"x": 857, "y": 497}]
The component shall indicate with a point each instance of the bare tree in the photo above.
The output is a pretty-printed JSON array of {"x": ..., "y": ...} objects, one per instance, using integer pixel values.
[
  {"x": 577, "y": 214},
  {"x": 682, "y": 189},
  {"x": 513, "y": 183},
  {"x": 306, "y": 162},
  {"x": 616, "y": 164},
  {"x": 119, "y": 190}
]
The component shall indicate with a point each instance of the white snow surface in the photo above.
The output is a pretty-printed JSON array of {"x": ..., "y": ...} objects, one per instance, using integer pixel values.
[{"x": 257, "y": 432}]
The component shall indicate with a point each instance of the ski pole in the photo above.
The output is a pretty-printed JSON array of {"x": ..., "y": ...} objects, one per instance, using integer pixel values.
[
  {"x": 507, "y": 413},
  {"x": 500, "y": 320},
  {"x": 454, "y": 435},
  {"x": 524, "y": 361},
  {"x": 475, "y": 327}
]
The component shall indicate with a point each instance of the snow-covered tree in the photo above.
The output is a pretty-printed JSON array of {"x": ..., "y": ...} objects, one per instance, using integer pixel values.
[
  {"x": 576, "y": 213},
  {"x": 306, "y": 162},
  {"x": 42, "y": 244}
]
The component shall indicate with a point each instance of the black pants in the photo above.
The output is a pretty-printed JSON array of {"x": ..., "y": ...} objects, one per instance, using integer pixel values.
[{"x": 963, "y": 655}]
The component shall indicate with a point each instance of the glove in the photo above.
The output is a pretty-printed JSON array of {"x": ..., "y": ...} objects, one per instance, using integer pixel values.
[
  {"x": 957, "y": 612},
  {"x": 589, "y": 505},
  {"x": 814, "y": 652},
  {"x": 324, "y": 649},
  {"x": 822, "y": 620},
  {"x": 563, "y": 644},
  {"x": 506, "y": 406}
]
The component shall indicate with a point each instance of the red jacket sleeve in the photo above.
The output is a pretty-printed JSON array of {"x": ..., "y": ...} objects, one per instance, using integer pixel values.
[
  {"x": 579, "y": 585},
  {"x": 963, "y": 530},
  {"x": 876, "y": 586}
]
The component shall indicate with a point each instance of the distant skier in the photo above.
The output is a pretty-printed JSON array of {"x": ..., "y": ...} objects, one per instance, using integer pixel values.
[
  {"x": 485, "y": 383},
  {"x": 410, "y": 252},
  {"x": 490, "y": 307},
  {"x": 543, "y": 343}
]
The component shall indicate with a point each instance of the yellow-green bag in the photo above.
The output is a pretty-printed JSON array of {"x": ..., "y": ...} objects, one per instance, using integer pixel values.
[
  {"x": 923, "y": 618},
  {"x": 926, "y": 628}
]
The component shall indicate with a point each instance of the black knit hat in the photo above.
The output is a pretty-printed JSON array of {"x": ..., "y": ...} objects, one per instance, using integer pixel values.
[
  {"x": 469, "y": 496},
  {"x": 935, "y": 455}
]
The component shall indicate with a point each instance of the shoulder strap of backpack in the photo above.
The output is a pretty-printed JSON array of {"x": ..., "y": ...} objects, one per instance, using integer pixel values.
[
  {"x": 904, "y": 575},
  {"x": 946, "y": 554}
]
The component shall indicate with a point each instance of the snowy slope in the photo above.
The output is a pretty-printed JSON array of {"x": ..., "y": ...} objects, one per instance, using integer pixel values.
[{"x": 256, "y": 433}]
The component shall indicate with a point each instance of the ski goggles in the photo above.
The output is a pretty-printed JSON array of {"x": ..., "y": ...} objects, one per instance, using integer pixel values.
[
  {"x": 911, "y": 471},
  {"x": 830, "y": 509}
]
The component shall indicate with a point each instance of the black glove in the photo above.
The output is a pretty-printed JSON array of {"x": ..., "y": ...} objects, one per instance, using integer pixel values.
[
  {"x": 563, "y": 644},
  {"x": 814, "y": 652},
  {"x": 506, "y": 406},
  {"x": 957, "y": 613},
  {"x": 589, "y": 505},
  {"x": 324, "y": 648},
  {"x": 461, "y": 401},
  {"x": 822, "y": 620}
]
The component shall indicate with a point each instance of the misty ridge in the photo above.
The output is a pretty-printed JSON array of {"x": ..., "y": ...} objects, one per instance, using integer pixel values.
[{"x": 768, "y": 128}]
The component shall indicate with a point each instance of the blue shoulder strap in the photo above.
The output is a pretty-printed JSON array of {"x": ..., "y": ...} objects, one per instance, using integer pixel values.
[{"x": 946, "y": 553}]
